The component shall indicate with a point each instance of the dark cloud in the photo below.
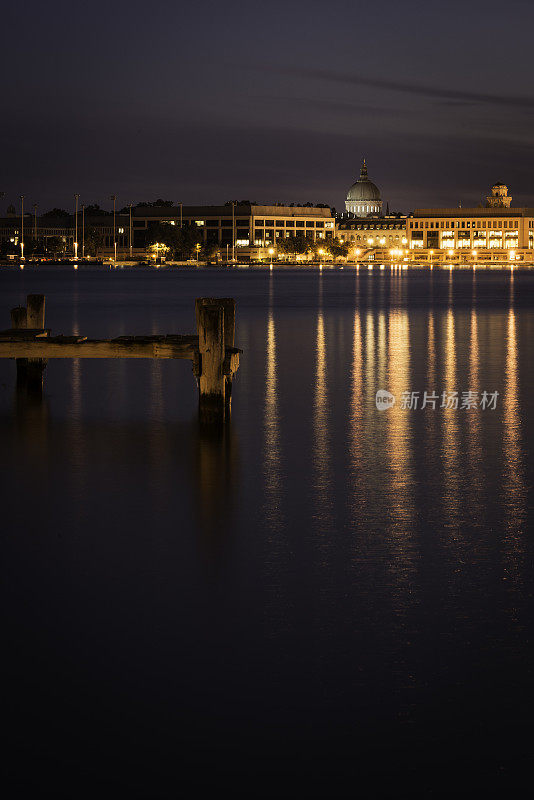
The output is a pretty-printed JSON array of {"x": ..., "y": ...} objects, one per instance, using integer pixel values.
[
  {"x": 422, "y": 90},
  {"x": 216, "y": 163}
]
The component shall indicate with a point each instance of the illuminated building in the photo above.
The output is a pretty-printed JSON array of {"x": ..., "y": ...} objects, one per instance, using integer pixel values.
[
  {"x": 255, "y": 229},
  {"x": 373, "y": 233},
  {"x": 363, "y": 197},
  {"x": 61, "y": 227},
  {"x": 496, "y": 232}
]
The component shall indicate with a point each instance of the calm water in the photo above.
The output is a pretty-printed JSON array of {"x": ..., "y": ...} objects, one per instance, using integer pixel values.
[{"x": 322, "y": 592}]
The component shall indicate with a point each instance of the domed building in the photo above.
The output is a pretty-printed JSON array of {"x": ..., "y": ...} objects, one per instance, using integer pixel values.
[{"x": 363, "y": 197}]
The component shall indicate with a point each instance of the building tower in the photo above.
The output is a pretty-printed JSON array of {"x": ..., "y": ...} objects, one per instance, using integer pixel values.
[{"x": 499, "y": 197}]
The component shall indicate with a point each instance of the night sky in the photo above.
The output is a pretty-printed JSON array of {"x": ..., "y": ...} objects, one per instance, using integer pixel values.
[{"x": 207, "y": 102}]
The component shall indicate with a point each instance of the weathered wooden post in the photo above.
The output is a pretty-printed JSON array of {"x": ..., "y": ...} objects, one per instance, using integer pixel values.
[
  {"x": 35, "y": 315},
  {"x": 18, "y": 321},
  {"x": 211, "y": 345},
  {"x": 228, "y": 306},
  {"x": 35, "y": 319}
]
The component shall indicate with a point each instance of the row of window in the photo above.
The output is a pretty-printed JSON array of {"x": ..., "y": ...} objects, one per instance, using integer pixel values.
[
  {"x": 369, "y": 240},
  {"x": 280, "y": 223},
  {"x": 363, "y": 209},
  {"x": 269, "y": 223},
  {"x": 368, "y": 227},
  {"x": 259, "y": 233},
  {"x": 448, "y": 236},
  {"x": 269, "y": 240},
  {"x": 466, "y": 224}
]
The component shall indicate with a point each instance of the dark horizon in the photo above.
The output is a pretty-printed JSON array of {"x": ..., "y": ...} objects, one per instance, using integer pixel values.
[{"x": 202, "y": 104}]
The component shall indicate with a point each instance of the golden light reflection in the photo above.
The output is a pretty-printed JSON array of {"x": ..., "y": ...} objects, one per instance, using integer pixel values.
[
  {"x": 431, "y": 367},
  {"x": 514, "y": 485},
  {"x": 450, "y": 426},
  {"x": 356, "y": 448},
  {"x": 475, "y": 451},
  {"x": 431, "y": 421},
  {"x": 321, "y": 446},
  {"x": 369, "y": 349},
  {"x": 271, "y": 455},
  {"x": 277, "y": 620},
  {"x": 403, "y": 550},
  {"x": 381, "y": 348}
]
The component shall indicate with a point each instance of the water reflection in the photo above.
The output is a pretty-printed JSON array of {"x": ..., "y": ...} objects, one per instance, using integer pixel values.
[
  {"x": 514, "y": 486},
  {"x": 217, "y": 466},
  {"x": 277, "y": 619},
  {"x": 32, "y": 414},
  {"x": 322, "y": 486},
  {"x": 475, "y": 452},
  {"x": 402, "y": 545},
  {"x": 271, "y": 451},
  {"x": 153, "y": 508},
  {"x": 131, "y": 470},
  {"x": 78, "y": 444},
  {"x": 357, "y": 493},
  {"x": 450, "y": 427}
]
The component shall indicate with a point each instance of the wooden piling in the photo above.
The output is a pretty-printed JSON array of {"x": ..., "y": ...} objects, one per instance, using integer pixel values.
[
  {"x": 19, "y": 319},
  {"x": 228, "y": 306},
  {"x": 35, "y": 315},
  {"x": 35, "y": 318},
  {"x": 211, "y": 345}
]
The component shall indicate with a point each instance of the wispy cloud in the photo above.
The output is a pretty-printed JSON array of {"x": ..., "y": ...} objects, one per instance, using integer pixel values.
[{"x": 422, "y": 90}]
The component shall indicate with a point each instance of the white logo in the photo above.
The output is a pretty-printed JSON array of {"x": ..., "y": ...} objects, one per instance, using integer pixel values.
[{"x": 384, "y": 400}]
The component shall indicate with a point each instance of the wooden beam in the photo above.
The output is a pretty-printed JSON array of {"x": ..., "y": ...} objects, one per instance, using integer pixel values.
[{"x": 79, "y": 347}]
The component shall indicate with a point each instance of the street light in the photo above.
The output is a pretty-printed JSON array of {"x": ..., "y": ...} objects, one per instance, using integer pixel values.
[
  {"x": 22, "y": 227},
  {"x": 233, "y": 231},
  {"x": 130, "y": 236},
  {"x": 431, "y": 254},
  {"x": 114, "y": 198},
  {"x": 83, "y": 231},
  {"x": 76, "y": 198}
]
